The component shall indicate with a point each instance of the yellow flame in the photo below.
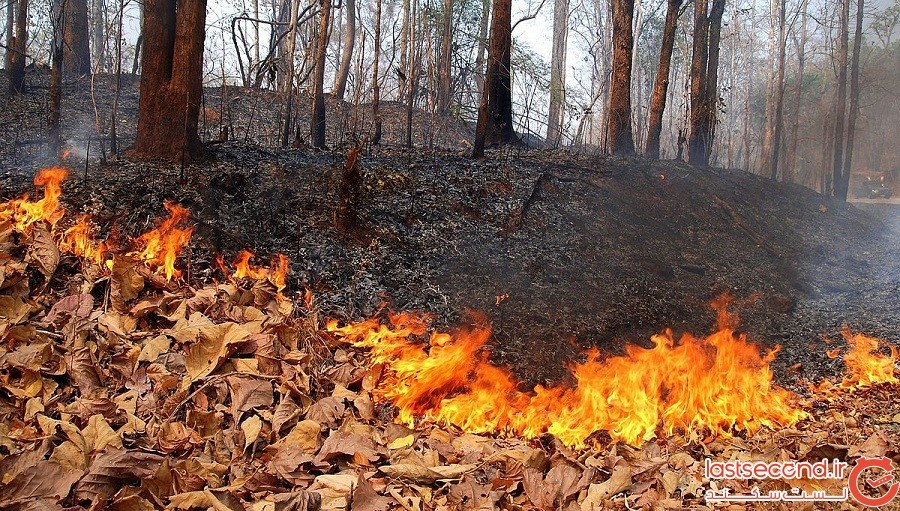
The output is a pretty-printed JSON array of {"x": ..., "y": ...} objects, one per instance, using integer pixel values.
[
  {"x": 161, "y": 246},
  {"x": 23, "y": 212},
  {"x": 865, "y": 366}
]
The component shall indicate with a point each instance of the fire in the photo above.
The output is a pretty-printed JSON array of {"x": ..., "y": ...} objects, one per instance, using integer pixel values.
[
  {"x": 23, "y": 213},
  {"x": 161, "y": 246},
  {"x": 81, "y": 240},
  {"x": 714, "y": 385},
  {"x": 865, "y": 366},
  {"x": 276, "y": 273}
]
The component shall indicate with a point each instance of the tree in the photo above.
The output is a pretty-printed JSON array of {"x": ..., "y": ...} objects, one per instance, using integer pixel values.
[
  {"x": 791, "y": 169},
  {"x": 376, "y": 88},
  {"x": 340, "y": 79},
  {"x": 171, "y": 82},
  {"x": 443, "y": 96},
  {"x": 661, "y": 83},
  {"x": 558, "y": 72},
  {"x": 619, "y": 136},
  {"x": 840, "y": 100},
  {"x": 843, "y": 191},
  {"x": 777, "y": 109},
  {"x": 76, "y": 48},
  {"x": 317, "y": 122},
  {"x": 494, "y": 124},
  {"x": 98, "y": 30},
  {"x": 704, "y": 79},
  {"x": 15, "y": 53}
]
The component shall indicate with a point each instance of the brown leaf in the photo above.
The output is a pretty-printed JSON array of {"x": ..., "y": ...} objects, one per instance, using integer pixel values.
[
  {"x": 125, "y": 282},
  {"x": 365, "y": 498},
  {"x": 82, "y": 371},
  {"x": 342, "y": 443},
  {"x": 44, "y": 479},
  {"x": 425, "y": 475},
  {"x": 873, "y": 447},
  {"x": 215, "y": 344},
  {"x": 249, "y": 393},
  {"x": 297, "y": 500},
  {"x": 600, "y": 493},
  {"x": 113, "y": 469},
  {"x": 43, "y": 250},
  {"x": 327, "y": 410}
]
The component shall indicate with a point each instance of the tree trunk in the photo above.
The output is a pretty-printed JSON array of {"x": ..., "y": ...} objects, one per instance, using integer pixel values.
[
  {"x": 10, "y": 22},
  {"x": 711, "y": 89},
  {"x": 58, "y": 15},
  {"x": 844, "y": 189},
  {"x": 556, "y": 115},
  {"x": 76, "y": 48},
  {"x": 619, "y": 137},
  {"x": 446, "y": 52},
  {"x": 171, "y": 82},
  {"x": 661, "y": 84},
  {"x": 98, "y": 32},
  {"x": 403, "y": 69},
  {"x": 376, "y": 88},
  {"x": 15, "y": 67},
  {"x": 697, "y": 153},
  {"x": 317, "y": 121},
  {"x": 482, "y": 46},
  {"x": 287, "y": 78},
  {"x": 494, "y": 124},
  {"x": 840, "y": 101},
  {"x": 778, "y": 106},
  {"x": 790, "y": 170},
  {"x": 340, "y": 79}
]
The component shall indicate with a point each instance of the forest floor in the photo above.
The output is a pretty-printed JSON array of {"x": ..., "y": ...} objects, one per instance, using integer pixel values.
[{"x": 560, "y": 251}]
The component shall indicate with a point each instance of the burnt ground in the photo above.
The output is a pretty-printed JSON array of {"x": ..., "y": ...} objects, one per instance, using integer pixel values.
[{"x": 592, "y": 251}]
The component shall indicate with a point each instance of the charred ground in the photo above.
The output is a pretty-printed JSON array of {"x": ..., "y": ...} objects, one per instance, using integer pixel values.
[{"x": 591, "y": 251}]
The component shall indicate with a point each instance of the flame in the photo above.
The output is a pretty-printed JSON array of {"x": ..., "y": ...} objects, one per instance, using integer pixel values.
[
  {"x": 22, "y": 212},
  {"x": 161, "y": 246},
  {"x": 276, "y": 273},
  {"x": 865, "y": 366},
  {"x": 81, "y": 240},
  {"x": 714, "y": 385}
]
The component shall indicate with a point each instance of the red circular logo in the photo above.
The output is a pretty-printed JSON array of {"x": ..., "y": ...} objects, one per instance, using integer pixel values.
[{"x": 879, "y": 480}]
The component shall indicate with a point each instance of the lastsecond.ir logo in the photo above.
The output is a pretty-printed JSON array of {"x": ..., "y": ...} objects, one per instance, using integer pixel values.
[{"x": 881, "y": 478}]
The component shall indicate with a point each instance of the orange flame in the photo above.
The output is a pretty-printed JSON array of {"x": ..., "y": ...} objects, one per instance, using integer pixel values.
[
  {"x": 81, "y": 240},
  {"x": 865, "y": 366},
  {"x": 717, "y": 385},
  {"x": 276, "y": 273},
  {"x": 160, "y": 247},
  {"x": 22, "y": 212}
]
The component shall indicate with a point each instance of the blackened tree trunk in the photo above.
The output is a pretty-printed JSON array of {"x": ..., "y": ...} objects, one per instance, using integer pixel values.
[
  {"x": 619, "y": 136},
  {"x": 57, "y": 25},
  {"x": 15, "y": 54},
  {"x": 844, "y": 189},
  {"x": 317, "y": 122},
  {"x": 376, "y": 88},
  {"x": 778, "y": 89},
  {"x": 171, "y": 82},
  {"x": 495, "y": 110},
  {"x": 98, "y": 32},
  {"x": 697, "y": 153},
  {"x": 340, "y": 79},
  {"x": 661, "y": 84},
  {"x": 840, "y": 101},
  {"x": 76, "y": 48},
  {"x": 445, "y": 54},
  {"x": 790, "y": 170},
  {"x": 482, "y": 46},
  {"x": 711, "y": 89},
  {"x": 558, "y": 72}
]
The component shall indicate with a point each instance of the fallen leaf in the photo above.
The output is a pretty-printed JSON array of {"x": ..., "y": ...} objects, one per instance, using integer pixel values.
[{"x": 425, "y": 475}]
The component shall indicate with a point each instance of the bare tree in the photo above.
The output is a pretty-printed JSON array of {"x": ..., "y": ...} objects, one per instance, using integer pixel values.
[
  {"x": 171, "y": 82},
  {"x": 98, "y": 31},
  {"x": 704, "y": 80},
  {"x": 494, "y": 124},
  {"x": 376, "y": 88},
  {"x": 790, "y": 170},
  {"x": 444, "y": 71},
  {"x": 317, "y": 121},
  {"x": 340, "y": 79},
  {"x": 482, "y": 45},
  {"x": 661, "y": 84},
  {"x": 619, "y": 136},
  {"x": 558, "y": 72}
]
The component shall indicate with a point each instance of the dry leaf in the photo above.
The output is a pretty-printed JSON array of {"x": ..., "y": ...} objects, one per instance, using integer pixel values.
[{"x": 425, "y": 475}]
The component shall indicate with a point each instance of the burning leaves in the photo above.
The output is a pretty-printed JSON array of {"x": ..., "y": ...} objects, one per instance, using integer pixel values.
[
  {"x": 160, "y": 247},
  {"x": 714, "y": 385}
]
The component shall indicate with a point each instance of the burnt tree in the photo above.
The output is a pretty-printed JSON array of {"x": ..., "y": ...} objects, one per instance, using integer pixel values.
[
  {"x": 76, "y": 48},
  {"x": 376, "y": 89},
  {"x": 340, "y": 79},
  {"x": 620, "y": 140},
  {"x": 661, "y": 84},
  {"x": 556, "y": 111},
  {"x": 171, "y": 81},
  {"x": 704, "y": 80},
  {"x": 843, "y": 190},
  {"x": 495, "y": 124},
  {"x": 15, "y": 53},
  {"x": 317, "y": 121},
  {"x": 840, "y": 101}
]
